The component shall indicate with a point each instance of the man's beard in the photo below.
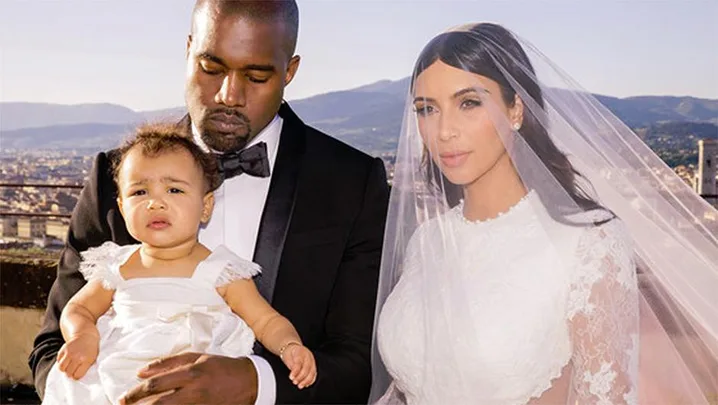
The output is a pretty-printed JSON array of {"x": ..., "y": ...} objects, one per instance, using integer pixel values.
[{"x": 221, "y": 140}]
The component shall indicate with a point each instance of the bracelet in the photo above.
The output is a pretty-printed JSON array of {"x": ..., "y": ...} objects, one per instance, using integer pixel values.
[{"x": 285, "y": 346}]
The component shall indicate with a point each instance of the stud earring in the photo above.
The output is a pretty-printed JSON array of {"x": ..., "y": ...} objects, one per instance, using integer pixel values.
[{"x": 516, "y": 126}]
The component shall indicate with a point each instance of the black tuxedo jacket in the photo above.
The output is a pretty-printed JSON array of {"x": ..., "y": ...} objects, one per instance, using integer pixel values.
[{"x": 319, "y": 244}]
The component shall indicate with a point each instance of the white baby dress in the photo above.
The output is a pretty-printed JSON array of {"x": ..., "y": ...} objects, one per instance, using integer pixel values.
[{"x": 151, "y": 318}]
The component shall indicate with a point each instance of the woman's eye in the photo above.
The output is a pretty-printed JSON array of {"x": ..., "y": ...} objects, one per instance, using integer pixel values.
[
  {"x": 470, "y": 103},
  {"x": 424, "y": 110}
]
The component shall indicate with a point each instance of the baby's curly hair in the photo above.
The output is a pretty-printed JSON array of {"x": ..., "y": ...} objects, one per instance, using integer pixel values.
[{"x": 154, "y": 139}]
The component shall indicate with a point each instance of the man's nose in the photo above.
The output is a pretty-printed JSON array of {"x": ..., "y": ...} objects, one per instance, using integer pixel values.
[{"x": 232, "y": 92}]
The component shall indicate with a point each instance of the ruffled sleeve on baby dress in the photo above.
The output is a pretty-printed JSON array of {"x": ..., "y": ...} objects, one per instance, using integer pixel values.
[
  {"x": 102, "y": 263},
  {"x": 232, "y": 266}
]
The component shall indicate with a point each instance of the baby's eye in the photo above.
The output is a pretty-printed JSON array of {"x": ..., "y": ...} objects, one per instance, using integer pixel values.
[
  {"x": 175, "y": 190},
  {"x": 138, "y": 192}
]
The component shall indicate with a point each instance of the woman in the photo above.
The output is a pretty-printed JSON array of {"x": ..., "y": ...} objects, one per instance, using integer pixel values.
[{"x": 536, "y": 251}]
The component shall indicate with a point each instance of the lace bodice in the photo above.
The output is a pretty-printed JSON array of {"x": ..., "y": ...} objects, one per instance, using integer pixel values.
[{"x": 505, "y": 310}]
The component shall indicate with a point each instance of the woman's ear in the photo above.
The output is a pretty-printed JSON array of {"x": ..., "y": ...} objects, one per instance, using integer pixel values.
[
  {"x": 208, "y": 206},
  {"x": 516, "y": 113}
]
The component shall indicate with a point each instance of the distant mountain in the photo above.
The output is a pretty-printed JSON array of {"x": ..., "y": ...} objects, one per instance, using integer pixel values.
[
  {"x": 368, "y": 117},
  {"x": 676, "y": 142},
  {"x": 90, "y": 136},
  {"x": 166, "y": 114},
  {"x": 38, "y": 115},
  {"x": 646, "y": 110}
]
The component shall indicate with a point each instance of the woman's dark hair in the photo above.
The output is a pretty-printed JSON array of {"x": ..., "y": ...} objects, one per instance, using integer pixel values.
[
  {"x": 477, "y": 50},
  {"x": 158, "y": 138}
]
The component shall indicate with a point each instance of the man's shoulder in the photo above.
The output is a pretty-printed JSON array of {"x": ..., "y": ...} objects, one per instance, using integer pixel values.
[
  {"x": 333, "y": 149},
  {"x": 104, "y": 162}
]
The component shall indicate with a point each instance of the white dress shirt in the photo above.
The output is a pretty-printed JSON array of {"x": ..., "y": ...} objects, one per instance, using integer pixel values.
[{"x": 238, "y": 206}]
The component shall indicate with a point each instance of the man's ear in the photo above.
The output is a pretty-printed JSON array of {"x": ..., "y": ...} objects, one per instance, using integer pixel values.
[
  {"x": 208, "y": 206},
  {"x": 189, "y": 44},
  {"x": 292, "y": 68}
]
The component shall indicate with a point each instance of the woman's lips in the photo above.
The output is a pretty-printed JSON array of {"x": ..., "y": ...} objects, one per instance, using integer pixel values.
[{"x": 453, "y": 159}]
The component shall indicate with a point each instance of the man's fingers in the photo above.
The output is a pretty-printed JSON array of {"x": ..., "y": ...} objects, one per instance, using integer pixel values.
[
  {"x": 179, "y": 396},
  {"x": 158, "y": 384},
  {"x": 167, "y": 364}
]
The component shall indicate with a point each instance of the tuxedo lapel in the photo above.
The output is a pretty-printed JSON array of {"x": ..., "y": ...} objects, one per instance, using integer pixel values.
[{"x": 280, "y": 201}]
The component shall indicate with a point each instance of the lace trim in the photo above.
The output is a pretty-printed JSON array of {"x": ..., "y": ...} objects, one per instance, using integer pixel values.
[
  {"x": 540, "y": 389},
  {"x": 459, "y": 209},
  {"x": 235, "y": 269},
  {"x": 102, "y": 263}
]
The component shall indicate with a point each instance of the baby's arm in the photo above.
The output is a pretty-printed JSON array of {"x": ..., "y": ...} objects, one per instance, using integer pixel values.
[
  {"x": 273, "y": 330},
  {"x": 78, "y": 324}
]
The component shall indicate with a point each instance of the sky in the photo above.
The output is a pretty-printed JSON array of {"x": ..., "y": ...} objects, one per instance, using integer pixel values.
[{"x": 131, "y": 52}]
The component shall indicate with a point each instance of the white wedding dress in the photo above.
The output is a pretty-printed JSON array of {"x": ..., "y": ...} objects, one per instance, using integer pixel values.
[{"x": 552, "y": 313}]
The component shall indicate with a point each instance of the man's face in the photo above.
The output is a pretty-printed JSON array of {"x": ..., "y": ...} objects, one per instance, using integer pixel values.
[{"x": 236, "y": 72}]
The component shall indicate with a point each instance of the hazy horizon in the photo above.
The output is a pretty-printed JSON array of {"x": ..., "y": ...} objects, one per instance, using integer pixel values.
[
  {"x": 131, "y": 53},
  {"x": 314, "y": 95}
]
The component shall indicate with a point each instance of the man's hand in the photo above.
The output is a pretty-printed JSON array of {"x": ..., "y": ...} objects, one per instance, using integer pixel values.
[{"x": 196, "y": 378}]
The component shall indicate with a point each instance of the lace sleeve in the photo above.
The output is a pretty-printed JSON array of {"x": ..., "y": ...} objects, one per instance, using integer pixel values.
[
  {"x": 603, "y": 318},
  {"x": 234, "y": 267}
]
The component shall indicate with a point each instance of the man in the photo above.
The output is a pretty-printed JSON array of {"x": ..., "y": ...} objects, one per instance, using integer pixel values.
[{"x": 311, "y": 213}]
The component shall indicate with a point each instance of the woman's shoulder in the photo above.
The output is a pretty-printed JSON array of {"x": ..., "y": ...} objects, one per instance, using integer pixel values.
[
  {"x": 606, "y": 250},
  {"x": 608, "y": 232},
  {"x": 428, "y": 228}
]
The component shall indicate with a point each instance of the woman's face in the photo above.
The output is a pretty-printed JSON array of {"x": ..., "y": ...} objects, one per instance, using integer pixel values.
[{"x": 458, "y": 113}]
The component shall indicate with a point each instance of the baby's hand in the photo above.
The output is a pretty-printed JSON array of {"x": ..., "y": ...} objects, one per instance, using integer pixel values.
[
  {"x": 78, "y": 354},
  {"x": 300, "y": 362}
]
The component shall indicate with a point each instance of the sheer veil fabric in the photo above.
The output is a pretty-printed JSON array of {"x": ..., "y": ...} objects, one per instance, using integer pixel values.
[{"x": 600, "y": 285}]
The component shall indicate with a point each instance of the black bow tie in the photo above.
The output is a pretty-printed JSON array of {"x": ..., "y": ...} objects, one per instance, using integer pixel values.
[{"x": 252, "y": 161}]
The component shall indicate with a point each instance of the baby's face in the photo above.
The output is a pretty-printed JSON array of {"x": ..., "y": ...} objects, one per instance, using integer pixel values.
[{"x": 162, "y": 198}]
